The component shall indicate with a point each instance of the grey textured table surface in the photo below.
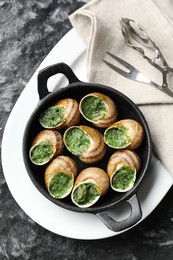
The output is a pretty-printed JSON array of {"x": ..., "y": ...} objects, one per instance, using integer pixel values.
[{"x": 29, "y": 30}]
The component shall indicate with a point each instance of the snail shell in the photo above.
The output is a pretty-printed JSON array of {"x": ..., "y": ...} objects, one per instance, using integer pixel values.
[
  {"x": 125, "y": 156},
  {"x": 98, "y": 109},
  {"x": 59, "y": 176},
  {"x": 131, "y": 163},
  {"x": 45, "y": 146},
  {"x": 126, "y": 133},
  {"x": 63, "y": 113},
  {"x": 91, "y": 183},
  {"x": 95, "y": 148}
]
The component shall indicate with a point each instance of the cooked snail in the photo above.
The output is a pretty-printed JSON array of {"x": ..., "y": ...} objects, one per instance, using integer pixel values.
[
  {"x": 90, "y": 185},
  {"x": 98, "y": 109},
  {"x": 126, "y": 133},
  {"x": 63, "y": 113},
  {"x": 45, "y": 146},
  {"x": 122, "y": 168},
  {"x": 85, "y": 142},
  {"x": 59, "y": 176}
]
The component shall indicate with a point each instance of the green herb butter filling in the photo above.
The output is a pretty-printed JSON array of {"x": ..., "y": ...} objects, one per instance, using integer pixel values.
[
  {"x": 60, "y": 185},
  {"x": 124, "y": 178},
  {"x": 117, "y": 137},
  {"x": 77, "y": 141},
  {"x": 52, "y": 117},
  {"x": 41, "y": 152},
  {"x": 93, "y": 108},
  {"x": 85, "y": 194}
]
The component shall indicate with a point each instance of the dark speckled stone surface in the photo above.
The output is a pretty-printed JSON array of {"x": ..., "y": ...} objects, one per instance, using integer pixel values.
[{"x": 28, "y": 31}]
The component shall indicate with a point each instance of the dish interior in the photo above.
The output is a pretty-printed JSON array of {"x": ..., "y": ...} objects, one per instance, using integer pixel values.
[{"x": 126, "y": 110}]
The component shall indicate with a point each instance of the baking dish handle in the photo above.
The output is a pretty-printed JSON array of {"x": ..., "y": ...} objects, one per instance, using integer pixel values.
[
  {"x": 135, "y": 216},
  {"x": 52, "y": 70}
]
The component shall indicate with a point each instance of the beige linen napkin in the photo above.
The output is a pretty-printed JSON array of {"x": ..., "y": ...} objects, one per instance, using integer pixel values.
[{"x": 98, "y": 25}]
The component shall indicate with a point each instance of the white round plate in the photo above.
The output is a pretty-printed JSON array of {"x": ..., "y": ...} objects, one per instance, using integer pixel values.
[{"x": 35, "y": 205}]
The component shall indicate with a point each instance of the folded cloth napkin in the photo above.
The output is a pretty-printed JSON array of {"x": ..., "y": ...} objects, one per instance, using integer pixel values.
[{"x": 98, "y": 25}]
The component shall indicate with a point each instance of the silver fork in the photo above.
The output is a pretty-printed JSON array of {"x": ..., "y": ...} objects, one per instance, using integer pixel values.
[{"x": 135, "y": 74}]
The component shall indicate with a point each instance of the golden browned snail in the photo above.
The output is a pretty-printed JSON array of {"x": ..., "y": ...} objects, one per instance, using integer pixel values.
[
  {"x": 45, "y": 146},
  {"x": 126, "y": 133},
  {"x": 90, "y": 185},
  {"x": 98, "y": 109},
  {"x": 85, "y": 142},
  {"x": 63, "y": 113},
  {"x": 59, "y": 176},
  {"x": 122, "y": 168}
]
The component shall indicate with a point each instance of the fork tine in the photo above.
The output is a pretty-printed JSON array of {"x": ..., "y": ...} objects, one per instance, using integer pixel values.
[
  {"x": 136, "y": 75},
  {"x": 124, "y": 63},
  {"x": 121, "y": 72}
]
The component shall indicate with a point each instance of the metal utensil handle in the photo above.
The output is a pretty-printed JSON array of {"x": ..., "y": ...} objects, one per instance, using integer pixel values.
[
  {"x": 49, "y": 71},
  {"x": 135, "y": 216}
]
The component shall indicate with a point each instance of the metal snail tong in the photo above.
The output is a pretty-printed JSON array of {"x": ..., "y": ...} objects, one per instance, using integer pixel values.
[{"x": 136, "y": 38}]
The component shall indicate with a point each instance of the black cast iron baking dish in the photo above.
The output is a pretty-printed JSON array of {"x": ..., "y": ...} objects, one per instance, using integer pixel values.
[{"x": 127, "y": 109}]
